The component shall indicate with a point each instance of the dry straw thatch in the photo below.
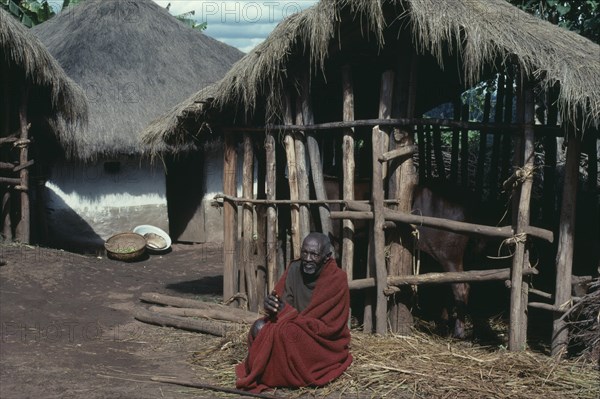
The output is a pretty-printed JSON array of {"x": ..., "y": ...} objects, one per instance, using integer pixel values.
[
  {"x": 55, "y": 97},
  {"x": 584, "y": 320},
  {"x": 480, "y": 33},
  {"x": 423, "y": 366},
  {"x": 134, "y": 60}
]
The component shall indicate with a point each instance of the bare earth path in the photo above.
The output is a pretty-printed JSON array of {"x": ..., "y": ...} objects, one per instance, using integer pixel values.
[{"x": 67, "y": 327}]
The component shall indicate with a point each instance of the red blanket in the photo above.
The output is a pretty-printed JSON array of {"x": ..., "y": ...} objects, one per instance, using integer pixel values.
[{"x": 302, "y": 349}]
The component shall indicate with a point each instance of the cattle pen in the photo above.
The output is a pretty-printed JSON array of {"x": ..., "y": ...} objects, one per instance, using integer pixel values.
[{"x": 347, "y": 86}]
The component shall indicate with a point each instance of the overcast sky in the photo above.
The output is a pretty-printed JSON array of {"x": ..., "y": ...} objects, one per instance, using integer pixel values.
[{"x": 243, "y": 23}]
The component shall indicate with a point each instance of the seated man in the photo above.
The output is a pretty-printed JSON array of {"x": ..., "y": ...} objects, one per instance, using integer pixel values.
[{"x": 304, "y": 339}]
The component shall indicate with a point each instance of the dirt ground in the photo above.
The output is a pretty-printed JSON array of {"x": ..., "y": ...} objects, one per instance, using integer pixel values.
[{"x": 67, "y": 326}]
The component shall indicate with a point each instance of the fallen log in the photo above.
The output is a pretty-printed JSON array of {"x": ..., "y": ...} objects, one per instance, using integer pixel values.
[
  {"x": 209, "y": 327},
  {"x": 167, "y": 300},
  {"x": 200, "y": 385},
  {"x": 216, "y": 314}
]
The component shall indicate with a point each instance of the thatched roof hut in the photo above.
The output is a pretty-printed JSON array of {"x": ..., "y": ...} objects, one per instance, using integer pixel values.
[
  {"x": 134, "y": 61},
  {"x": 471, "y": 37},
  {"x": 55, "y": 98},
  {"x": 344, "y": 87},
  {"x": 40, "y": 112}
]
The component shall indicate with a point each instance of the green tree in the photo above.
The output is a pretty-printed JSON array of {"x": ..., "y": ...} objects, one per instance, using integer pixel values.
[
  {"x": 581, "y": 16},
  {"x": 29, "y": 12}
]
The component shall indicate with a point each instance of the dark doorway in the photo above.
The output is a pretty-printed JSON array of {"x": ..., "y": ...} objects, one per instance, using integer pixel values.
[{"x": 185, "y": 190}]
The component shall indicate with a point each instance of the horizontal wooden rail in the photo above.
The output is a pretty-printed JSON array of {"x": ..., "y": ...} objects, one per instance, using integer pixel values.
[
  {"x": 398, "y": 153},
  {"x": 7, "y": 140},
  {"x": 506, "y": 128},
  {"x": 358, "y": 212},
  {"x": 241, "y": 200},
  {"x": 10, "y": 180},
  {"x": 23, "y": 165},
  {"x": 540, "y": 293},
  {"x": 546, "y": 306},
  {"x": 441, "y": 278}
]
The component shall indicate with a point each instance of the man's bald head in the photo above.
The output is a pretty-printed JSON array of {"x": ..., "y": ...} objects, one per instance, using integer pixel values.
[
  {"x": 323, "y": 241},
  {"x": 316, "y": 250}
]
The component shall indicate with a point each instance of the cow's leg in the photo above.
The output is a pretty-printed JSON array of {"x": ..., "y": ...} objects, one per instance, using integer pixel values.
[{"x": 461, "y": 298}]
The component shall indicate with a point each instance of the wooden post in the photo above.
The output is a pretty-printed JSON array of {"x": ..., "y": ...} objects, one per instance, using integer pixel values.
[
  {"x": 481, "y": 158},
  {"x": 261, "y": 225},
  {"x": 401, "y": 185},
  {"x": 249, "y": 268},
  {"x": 379, "y": 235},
  {"x": 455, "y": 143},
  {"x": 290, "y": 154},
  {"x": 314, "y": 153},
  {"x": 229, "y": 217},
  {"x": 464, "y": 148},
  {"x": 438, "y": 155},
  {"x": 507, "y": 144},
  {"x": 495, "y": 160},
  {"x": 271, "y": 212},
  {"x": 422, "y": 156},
  {"x": 22, "y": 230},
  {"x": 564, "y": 256},
  {"x": 428, "y": 150},
  {"x": 517, "y": 337},
  {"x": 302, "y": 175},
  {"x": 348, "y": 171},
  {"x": 5, "y": 153},
  {"x": 550, "y": 154}
]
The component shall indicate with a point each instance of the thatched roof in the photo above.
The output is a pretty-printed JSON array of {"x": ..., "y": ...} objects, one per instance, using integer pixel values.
[
  {"x": 481, "y": 32},
  {"x": 56, "y": 98},
  {"x": 134, "y": 61}
]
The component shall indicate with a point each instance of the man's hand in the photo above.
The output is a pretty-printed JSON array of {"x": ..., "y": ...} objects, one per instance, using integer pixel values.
[{"x": 273, "y": 304}]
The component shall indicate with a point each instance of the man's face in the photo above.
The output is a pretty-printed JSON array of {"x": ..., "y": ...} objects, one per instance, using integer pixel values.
[{"x": 312, "y": 257}]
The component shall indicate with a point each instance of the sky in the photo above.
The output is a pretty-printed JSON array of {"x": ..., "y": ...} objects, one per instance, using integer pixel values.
[{"x": 243, "y": 23}]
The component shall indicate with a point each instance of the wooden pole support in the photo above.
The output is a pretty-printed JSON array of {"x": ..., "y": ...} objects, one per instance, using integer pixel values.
[
  {"x": 229, "y": 217},
  {"x": 271, "y": 211},
  {"x": 290, "y": 154},
  {"x": 248, "y": 267},
  {"x": 348, "y": 171},
  {"x": 517, "y": 335},
  {"x": 564, "y": 256},
  {"x": 379, "y": 235},
  {"x": 302, "y": 175},
  {"x": 314, "y": 154},
  {"x": 23, "y": 226}
]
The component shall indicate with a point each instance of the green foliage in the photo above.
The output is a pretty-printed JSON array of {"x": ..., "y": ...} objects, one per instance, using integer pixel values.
[
  {"x": 581, "y": 16},
  {"x": 187, "y": 19},
  {"x": 29, "y": 12}
]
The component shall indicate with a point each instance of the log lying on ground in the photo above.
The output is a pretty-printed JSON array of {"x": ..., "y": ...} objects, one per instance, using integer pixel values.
[
  {"x": 201, "y": 385},
  {"x": 216, "y": 314},
  {"x": 167, "y": 300},
  {"x": 209, "y": 327}
]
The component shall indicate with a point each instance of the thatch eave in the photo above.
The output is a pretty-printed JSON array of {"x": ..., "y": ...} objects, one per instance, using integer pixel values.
[
  {"x": 479, "y": 32},
  {"x": 66, "y": 108}
]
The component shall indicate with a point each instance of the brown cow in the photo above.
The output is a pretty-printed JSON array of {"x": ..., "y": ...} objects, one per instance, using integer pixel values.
[{"x": 446, "y": 248}]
